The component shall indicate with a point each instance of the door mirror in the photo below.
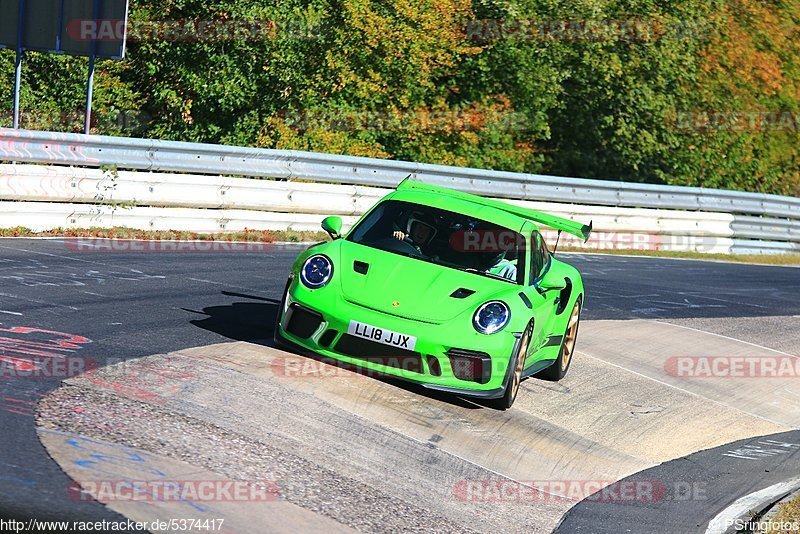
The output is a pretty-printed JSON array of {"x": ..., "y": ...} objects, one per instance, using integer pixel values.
[
  {"x": 333, "y": 225},
  {"x": 551, "y": 282}
]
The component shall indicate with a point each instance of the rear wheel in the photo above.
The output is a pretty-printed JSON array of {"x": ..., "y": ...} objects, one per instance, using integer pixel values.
[
  {"x": 512, "y": 388},
  {"x": 559, "y": 369}
]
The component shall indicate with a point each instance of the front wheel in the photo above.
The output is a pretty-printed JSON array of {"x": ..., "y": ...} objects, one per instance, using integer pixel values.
[
  {"x": 559, "y": 369},
  {"x": 277, "y": 338},
  {"x": 512, "y": 388}
]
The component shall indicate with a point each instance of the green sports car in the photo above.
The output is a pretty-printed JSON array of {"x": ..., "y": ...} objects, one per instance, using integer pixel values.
[{"x": 453, "y": 291}]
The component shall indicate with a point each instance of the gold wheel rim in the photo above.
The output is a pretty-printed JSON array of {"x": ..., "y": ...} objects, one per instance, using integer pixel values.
[
  {"x": 570, "y": 336},
  {"x": 520, "y": 364}
]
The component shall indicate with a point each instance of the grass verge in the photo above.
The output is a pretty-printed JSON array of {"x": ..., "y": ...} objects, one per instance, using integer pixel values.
[
  {"x": 788, "y": 514},
  {"x": 255, "y": 236},
  {"x": 766, "y": 259}
]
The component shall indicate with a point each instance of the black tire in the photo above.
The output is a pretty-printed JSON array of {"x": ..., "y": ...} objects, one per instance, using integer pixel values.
[
  {"x": 566, "y": 354},
  {"x": 277, "y": 338},
  {"x": 515, "y": 377}
]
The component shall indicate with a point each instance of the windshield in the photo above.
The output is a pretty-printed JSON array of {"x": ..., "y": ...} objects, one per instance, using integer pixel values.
[{"x": 445, "y": 238}]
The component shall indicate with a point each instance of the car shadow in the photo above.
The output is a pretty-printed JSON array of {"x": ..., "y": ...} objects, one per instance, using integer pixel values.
[
  {"x": 253, "y": 322},
  {"x": 241, "y": 321}
]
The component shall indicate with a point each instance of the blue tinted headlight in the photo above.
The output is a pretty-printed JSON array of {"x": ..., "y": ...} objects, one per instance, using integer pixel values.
[
  {"x": 316, "y": 271},
  {"x": 491, "y": 317}
]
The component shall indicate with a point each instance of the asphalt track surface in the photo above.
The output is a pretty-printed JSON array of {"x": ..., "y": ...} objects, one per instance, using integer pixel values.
[{"x": 130, "y": 305}]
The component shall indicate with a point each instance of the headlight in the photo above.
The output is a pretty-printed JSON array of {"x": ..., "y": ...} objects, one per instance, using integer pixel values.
[
  {"x": 316, "y": 271},
  {"x": 491, "y": 317}
]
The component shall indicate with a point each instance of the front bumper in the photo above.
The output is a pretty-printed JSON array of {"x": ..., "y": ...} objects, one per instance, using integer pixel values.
[{"x": 448, "y": 357}]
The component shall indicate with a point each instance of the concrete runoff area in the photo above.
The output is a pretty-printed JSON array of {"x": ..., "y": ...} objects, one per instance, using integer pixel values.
[
  {"x": 131, "y": 466},
  {"x": 373, "y": 454},
  {"x": 130, "y": 305}
]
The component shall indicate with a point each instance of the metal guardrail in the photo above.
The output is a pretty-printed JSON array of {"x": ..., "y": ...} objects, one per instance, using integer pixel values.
[
  {"x": 172, "y": 156},
  {"x": 643, "y": 234},
  {"x": 739, "y": 221},
  {"x": 42, "y": 183},
  {"x": 42, "y": 197},
  {"x": 764, "y": 228}
]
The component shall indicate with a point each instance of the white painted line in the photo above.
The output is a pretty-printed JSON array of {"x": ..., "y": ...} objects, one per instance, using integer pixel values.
[
  {"x": 10, "y": 312},
  {"x": 37, "y": 301},
  {"x": 693, "y": 393},
  {"x": 94, "y": 294},
  {"x": 721, "y": 300},
  {"x": 53, "y": 255},
  {"x": 726, "y": 518},
  {"x": 727, "y": 337}
]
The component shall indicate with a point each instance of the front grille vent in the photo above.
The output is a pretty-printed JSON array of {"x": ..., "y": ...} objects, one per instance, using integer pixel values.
[{"x": 470, "y": 365}]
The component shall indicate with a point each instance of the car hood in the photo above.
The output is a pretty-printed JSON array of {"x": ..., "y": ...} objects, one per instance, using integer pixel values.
[{"x": 411, "y": 288}]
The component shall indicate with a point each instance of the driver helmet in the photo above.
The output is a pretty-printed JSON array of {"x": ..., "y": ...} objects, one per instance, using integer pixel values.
[{"x": 421, "y": 222}]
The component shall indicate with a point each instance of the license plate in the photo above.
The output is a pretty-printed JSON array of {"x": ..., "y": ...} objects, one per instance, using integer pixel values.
[{"x": 381, "y": 335}]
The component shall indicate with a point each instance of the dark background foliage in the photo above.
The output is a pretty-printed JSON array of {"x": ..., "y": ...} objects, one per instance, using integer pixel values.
[{"x": 635, "y": 90}]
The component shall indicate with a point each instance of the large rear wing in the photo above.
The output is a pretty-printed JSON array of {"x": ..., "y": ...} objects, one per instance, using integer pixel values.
[{"x": 559, "y": 223}]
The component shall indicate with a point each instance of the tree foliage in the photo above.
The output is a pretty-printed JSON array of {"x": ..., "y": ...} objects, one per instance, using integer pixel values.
[{"x": 676, "y": 91}]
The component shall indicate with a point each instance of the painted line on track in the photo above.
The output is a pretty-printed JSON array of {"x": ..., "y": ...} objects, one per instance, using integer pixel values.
[
  {"x": 727, "y": 337},
  {"x": 682, "y": 390}
]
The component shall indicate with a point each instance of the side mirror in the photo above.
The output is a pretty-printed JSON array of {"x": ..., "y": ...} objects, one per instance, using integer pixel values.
[
  {"x": 333, "y": 225},
  {"x": 551, "y": 282}
]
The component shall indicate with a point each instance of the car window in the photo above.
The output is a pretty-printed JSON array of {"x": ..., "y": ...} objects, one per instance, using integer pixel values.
[
  {"x": 544, "y": 250},
  {"x": 540, "y": 256},
  {"x": 444, "y": 237}
]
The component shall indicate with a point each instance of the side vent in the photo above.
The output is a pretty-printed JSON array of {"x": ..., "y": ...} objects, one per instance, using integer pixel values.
[
  {"x": 461, "y": 293},
  {"x": 433, "y": 365},
  {"x": 360, "y": 267},
  {"x": 564, "y": 297},
  {"x": 327, "y": 338}
]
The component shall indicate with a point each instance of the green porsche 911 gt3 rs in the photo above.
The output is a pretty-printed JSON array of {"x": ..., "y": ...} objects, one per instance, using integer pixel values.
[{"x": 449, "y": 290}]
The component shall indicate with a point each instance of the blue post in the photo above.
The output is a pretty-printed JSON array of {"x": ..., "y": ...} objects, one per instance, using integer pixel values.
[{"x": 89, "y": 90}]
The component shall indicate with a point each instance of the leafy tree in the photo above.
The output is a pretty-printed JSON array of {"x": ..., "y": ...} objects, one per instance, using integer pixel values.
[{"x": 633, "y": 90}]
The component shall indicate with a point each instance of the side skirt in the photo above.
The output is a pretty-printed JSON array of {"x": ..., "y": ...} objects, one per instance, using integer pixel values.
[
  {"x": 537, "y": 366},
  {"x": 550, "y": 349}
]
